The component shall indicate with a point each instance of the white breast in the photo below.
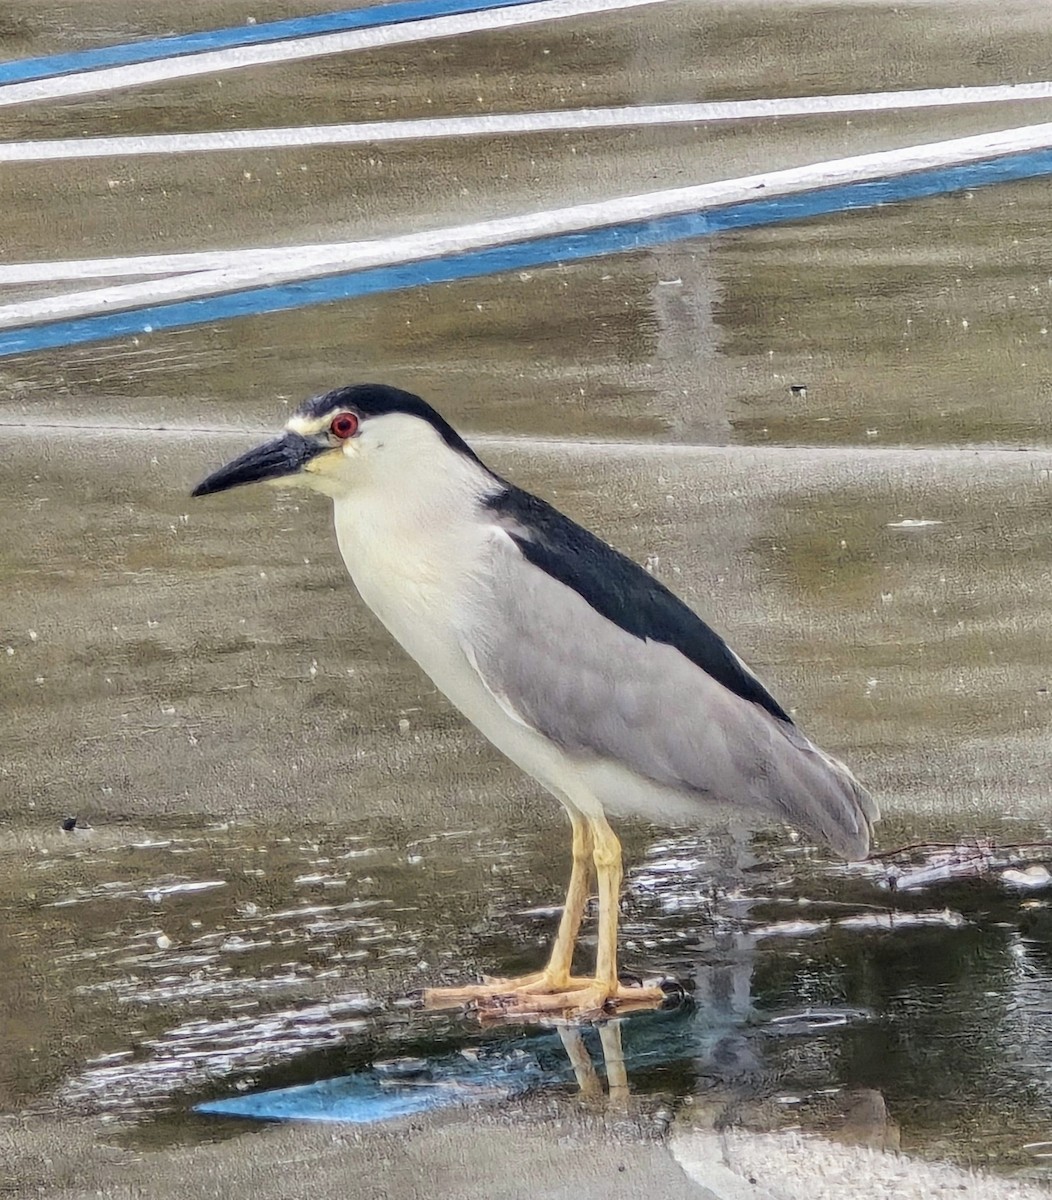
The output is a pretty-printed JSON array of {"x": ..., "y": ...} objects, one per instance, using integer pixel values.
[{"x": 421, "y": 579}]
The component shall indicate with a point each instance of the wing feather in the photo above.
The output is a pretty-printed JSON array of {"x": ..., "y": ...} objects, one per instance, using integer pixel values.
[{"x": 555, "y": 660}]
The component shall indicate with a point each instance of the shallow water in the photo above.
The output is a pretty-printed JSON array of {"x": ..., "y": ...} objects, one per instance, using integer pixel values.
[
  {"x": 193, "y": 964},
  {"x": 831, "y": 437}
]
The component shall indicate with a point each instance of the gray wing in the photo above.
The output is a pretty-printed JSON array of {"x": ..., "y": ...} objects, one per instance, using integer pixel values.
[{"x": 602, "y": 692}]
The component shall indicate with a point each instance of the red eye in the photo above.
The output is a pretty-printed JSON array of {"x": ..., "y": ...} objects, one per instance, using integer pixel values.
[{"x": 344, "y": 425}]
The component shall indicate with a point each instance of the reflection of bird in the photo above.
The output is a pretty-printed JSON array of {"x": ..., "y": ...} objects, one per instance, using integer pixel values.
[{"x": 570, "y": 658}]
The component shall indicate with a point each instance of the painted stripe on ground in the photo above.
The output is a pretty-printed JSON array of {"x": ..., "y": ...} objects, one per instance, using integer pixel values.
[
  {"x": 294, "y": 49},
  {"x": 563, "y": 248},
  {"x": 568, "y": 120},
  {"x": 150, "y": 49},
  {"x": 209, "y": 273}
]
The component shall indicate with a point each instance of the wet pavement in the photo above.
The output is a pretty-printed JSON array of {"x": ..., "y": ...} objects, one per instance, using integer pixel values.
[{"x": 831, "y": 437}]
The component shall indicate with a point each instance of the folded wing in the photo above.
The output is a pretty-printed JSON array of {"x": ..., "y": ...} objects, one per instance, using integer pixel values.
[{"x": 587, "y": 647}]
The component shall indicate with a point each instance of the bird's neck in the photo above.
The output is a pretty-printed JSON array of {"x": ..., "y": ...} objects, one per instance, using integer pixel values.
[{"x": 410, "y": 544}]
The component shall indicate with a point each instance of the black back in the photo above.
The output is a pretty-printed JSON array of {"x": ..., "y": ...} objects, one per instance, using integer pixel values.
[
  {"x": 623, "y": 592},
  {"x": 375, "y": 399}
]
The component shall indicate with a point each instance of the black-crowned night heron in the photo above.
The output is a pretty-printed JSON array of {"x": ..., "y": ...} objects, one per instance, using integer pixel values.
[{"x": 574, "y": 661}]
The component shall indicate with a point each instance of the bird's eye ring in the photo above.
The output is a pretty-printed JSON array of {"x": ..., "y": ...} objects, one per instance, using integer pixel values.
[{"x": 344, "y": 425}]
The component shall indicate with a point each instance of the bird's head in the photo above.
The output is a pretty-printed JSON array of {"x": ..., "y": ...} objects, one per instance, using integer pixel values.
[{"x": 367, "y": 435}]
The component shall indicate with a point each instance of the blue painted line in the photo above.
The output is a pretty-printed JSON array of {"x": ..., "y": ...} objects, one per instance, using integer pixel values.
[
  {"x": 539, "y": 252},
  {"x": 149, "y": 50}
]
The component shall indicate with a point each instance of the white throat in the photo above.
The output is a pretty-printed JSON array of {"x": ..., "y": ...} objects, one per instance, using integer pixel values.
[{"x": 410, "y": 529}]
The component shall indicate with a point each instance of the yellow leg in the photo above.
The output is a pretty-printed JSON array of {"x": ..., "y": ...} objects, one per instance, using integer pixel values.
[
  {"x": 557, "y": 973},
  {"x": 604, "y": 993},
  {"x": 556, "y": 977},
  {"x": 554, "y": 990},
  {"x": 609, "y": 871}
]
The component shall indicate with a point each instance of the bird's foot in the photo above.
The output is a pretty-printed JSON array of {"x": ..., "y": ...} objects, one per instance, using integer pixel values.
[
  {"x": 493, "y": 989},
  {"x": 540, "y": 994},
  {"x": 588, "y": 1003}
]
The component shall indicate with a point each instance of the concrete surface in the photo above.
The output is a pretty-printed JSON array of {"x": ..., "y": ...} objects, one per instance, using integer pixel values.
[{"x": 832, "y": 437}]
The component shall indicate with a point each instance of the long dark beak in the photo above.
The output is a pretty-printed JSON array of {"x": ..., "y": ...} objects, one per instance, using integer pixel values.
[{"x": 284, "y": 456}]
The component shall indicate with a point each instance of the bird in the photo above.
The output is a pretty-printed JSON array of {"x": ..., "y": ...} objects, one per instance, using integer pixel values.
[{"x": 577, "y": 663}]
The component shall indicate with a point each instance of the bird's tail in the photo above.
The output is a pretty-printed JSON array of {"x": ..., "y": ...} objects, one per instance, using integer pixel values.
[{"x": 829, "y": 803}]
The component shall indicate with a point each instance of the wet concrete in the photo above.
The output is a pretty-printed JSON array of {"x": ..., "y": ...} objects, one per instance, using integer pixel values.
[
  {"x": 665, "y": 52},
  {"x": 150, "y": 205},
  {"x": 291, "y": 831},
  {"x": 144, "y": 617},
  {"x": 832, "y": 438},
  {"x": 31, "y": 30},
  {"x": 671, "y": 52},
  {"x": 922, "y": 324}
]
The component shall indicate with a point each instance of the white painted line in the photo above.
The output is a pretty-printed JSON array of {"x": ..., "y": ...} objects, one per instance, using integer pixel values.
[
  {"x": 239, "y": 269},
  {"x": 373, "y": 132},
  {"x": 293, "y": 49}
]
